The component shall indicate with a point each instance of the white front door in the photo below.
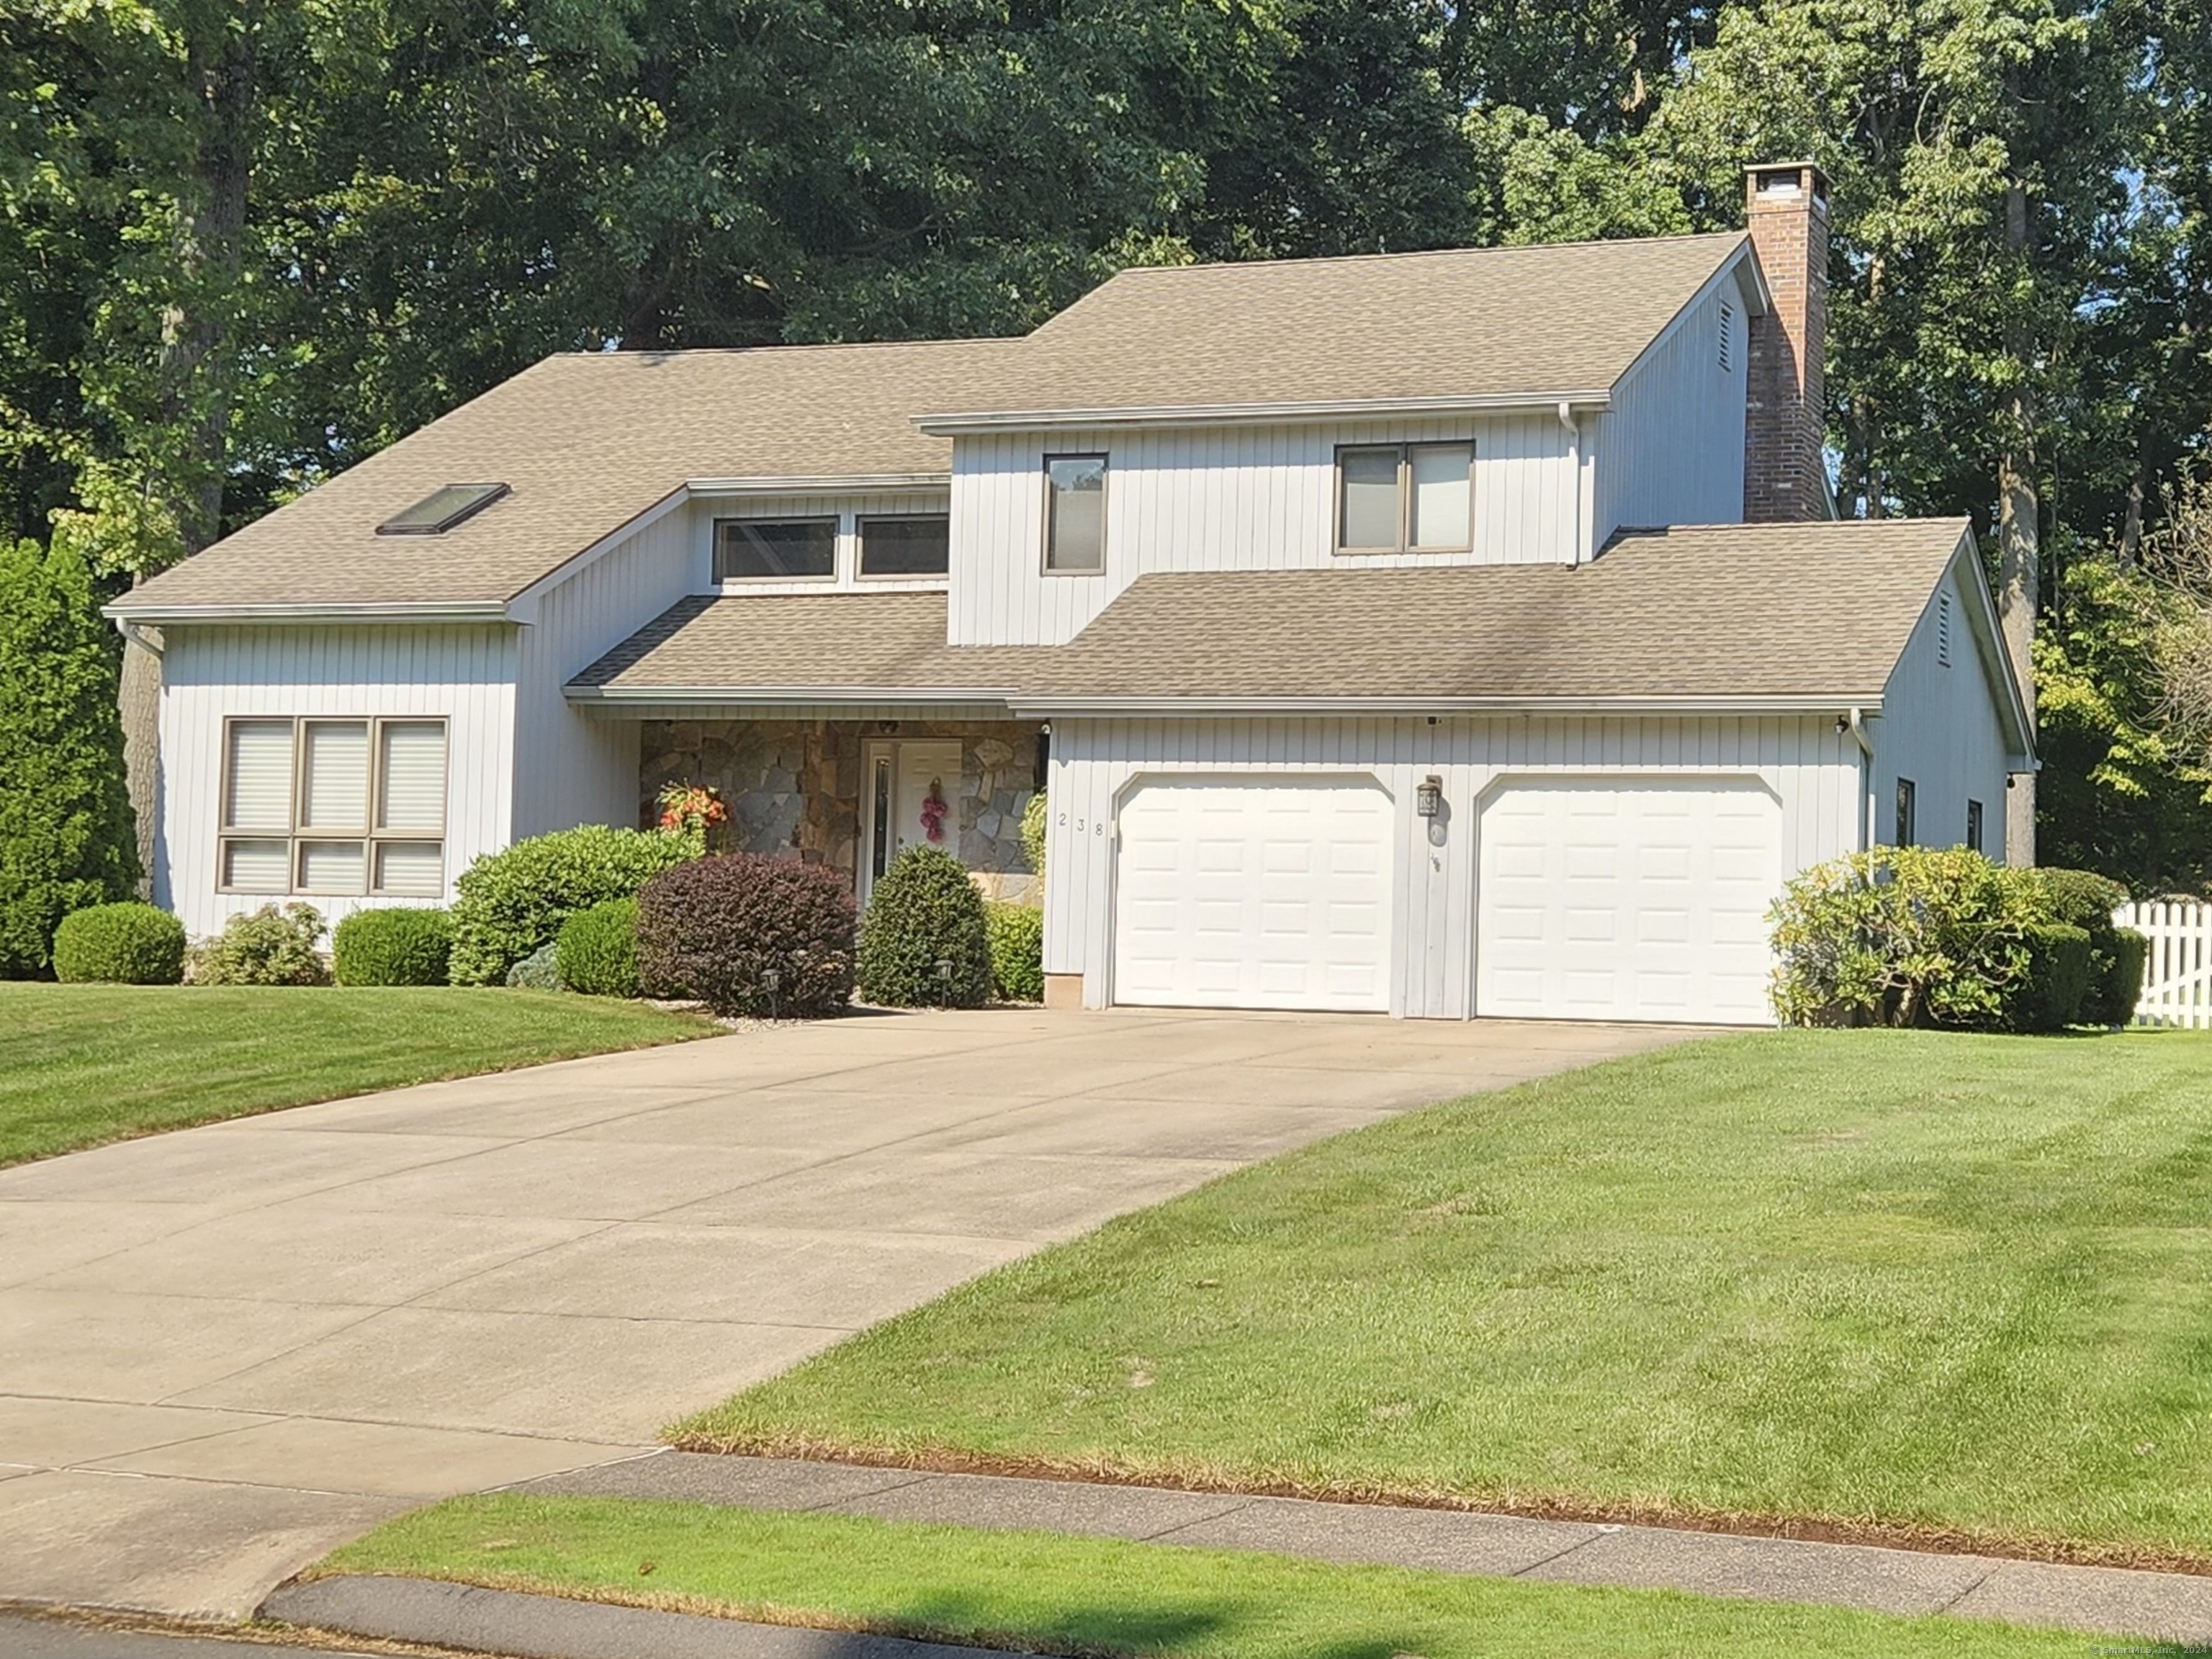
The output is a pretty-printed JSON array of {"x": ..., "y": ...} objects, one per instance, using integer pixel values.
[
  {"x": 912, "y": 800},
  {"x": 1631, "y": 899},
  {"x": 1248, "y": 893}
]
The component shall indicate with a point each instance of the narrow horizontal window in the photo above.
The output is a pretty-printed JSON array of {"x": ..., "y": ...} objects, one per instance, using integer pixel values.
[
  {"x": 906, "y": 546},
  {"x": 750, "y": 549},
  {"x": 1075, "y": 514}
]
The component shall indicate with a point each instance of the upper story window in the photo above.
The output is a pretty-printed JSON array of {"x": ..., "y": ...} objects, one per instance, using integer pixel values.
[
  {"x": 1075, "y": 512},
  {"x": 333, "y": 806},
  {"x": 906, "y": 544},
  {"x": 747, "y": 550},
  {"x": 1402, "y": 498}
]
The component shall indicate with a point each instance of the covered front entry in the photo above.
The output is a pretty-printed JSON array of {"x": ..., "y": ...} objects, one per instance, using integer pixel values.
[
  {"x": 1627, "y": 899},
  {"x": 1253, "y": 893}
]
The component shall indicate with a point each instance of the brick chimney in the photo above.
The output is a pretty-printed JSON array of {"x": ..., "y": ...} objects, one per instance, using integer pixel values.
[{"x": 1784, "y": 477}]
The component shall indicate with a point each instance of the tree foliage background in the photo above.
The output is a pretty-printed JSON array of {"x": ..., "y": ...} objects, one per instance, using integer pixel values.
[{"x": 245, "y": 242}]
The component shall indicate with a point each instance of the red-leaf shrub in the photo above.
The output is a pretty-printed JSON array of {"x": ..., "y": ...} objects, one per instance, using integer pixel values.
[{"x": 715, "y": 927}]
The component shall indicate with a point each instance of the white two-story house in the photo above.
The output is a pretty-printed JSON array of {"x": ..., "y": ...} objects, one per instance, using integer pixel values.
[{"x": 1440, "y": 635}]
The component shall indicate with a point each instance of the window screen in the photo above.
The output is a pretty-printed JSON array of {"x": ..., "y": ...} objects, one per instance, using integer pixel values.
[
  {"x": 1370, "y": 498},
  {"x": 749, "y": 548},
  {"x": 1075, "y": 530},
  {"x": 919, "y": 546},
  {"x": 1442, "y": 514}
]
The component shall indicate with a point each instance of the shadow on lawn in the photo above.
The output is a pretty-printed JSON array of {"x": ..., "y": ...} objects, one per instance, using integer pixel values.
[{"x": 1101, "y": 1629}]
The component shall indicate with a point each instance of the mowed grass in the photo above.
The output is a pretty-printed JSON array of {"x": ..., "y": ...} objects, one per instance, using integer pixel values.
[
  {"x": 81, "y": 1065},
  {"x": 1901, "y": 1283},
  {"x": 1039, "y": 1593}
]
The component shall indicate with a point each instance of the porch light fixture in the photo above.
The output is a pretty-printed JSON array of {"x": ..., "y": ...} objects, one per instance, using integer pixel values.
[{"x": 1428, "y": 799}]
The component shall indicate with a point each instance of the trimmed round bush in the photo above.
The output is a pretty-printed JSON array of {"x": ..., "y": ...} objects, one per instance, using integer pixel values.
[
  {"x": 538, "y": 971},
  {"x": 597, "y": 952},
  {"x": 924, "y": 911},
  {"x": 715, "y": 928},
  {"x": 126, "y": 944},
  {"x": 395, "y": 946},
  {"x": 1016, "y": 935},
  {"x": 2084, "y": 899},
  {"x": 512, "y": 902},
  {"x": 268, "y": 947},
  {"x": 2116, "y": 986}
]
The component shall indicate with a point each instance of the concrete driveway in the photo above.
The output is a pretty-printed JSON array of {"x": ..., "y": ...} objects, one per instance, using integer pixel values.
[{"x": 226, "y": 1350}]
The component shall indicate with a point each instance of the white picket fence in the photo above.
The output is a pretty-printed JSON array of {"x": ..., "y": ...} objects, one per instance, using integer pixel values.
[{"x": 2178, "y": 977}]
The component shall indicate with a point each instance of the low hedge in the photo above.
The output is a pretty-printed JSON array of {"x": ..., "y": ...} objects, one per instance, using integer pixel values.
[
  {"x": 2055, "y": 980},
  {"x": 1016, "y": 937},
  {"x": 716, "y": 928},
  {"x": 2116, "y": 983},
  {"x": 126, "y": 944},
  {"x": 925, "y": 911},
  {"x": 395, "y": 946},
  {"x": 597, "y": 952},
  {"x": 512, "y": 902}
]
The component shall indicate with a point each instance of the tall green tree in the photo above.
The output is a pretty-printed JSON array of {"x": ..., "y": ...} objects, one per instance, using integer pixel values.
[{"x": 65, "y": 833}]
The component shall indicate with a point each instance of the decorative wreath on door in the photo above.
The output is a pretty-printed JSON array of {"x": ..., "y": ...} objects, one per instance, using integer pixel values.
[{"x": 933, "y": 809}]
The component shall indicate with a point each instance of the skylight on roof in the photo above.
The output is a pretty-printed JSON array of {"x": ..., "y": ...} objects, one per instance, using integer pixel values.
[{"x": 441, "y": 509}]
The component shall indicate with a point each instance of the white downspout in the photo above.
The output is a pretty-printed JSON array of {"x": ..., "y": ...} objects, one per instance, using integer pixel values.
[
  {"x": 1574, "y": 470},
  {"x": 1855, "y": 721}
]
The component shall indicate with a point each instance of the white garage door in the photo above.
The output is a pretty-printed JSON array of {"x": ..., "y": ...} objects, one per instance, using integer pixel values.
[
  {"x": 1233, "y": 893},
  {"x": 1626, "y": 900}
]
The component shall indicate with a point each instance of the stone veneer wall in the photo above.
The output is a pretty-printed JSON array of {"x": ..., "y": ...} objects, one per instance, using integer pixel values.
[{"x": 793, "y": 788}]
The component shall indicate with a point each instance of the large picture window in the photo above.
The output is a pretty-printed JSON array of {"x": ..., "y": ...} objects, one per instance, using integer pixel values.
[
  {"x": 1405, "y": 498},
  {"x": 753, "y": 549},
  {"x": 334, "y": 806},
  {"x": 1075, "y": 512}
]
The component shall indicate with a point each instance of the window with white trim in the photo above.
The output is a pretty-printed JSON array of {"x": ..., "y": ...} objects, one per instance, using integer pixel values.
[
  {"x": 1405, "y": 498},
  {"x": 333, "y": 806}
]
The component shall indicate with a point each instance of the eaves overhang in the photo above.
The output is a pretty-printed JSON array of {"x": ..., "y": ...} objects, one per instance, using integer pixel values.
[
  {"x": 784, "y": 695},
  {"x": 1181, "y": 414},
  {"x": 396, "y": 610},
  {"x": 1045, "y": 706}
]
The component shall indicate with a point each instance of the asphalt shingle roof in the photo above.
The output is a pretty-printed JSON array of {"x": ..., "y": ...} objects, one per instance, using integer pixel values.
[{"x": 1745, "y": 612}]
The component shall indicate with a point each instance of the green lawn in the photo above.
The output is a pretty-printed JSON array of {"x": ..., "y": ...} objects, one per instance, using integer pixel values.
[
  {"x": 1100, "y": 1596},
  {"x": 1893, "y": 1281},
  {"x": 84, "y": 1064}
]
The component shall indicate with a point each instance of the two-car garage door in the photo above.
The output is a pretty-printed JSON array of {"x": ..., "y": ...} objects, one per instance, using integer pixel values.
[{"x": 1622, "y": 898}]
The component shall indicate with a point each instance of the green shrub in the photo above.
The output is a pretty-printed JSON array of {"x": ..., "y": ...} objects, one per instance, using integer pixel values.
[
  {"x": 266, "y": 947},
  {"x": 538, "y": 971},
  {"x": 1904, "y": 936},
  {"x": 66, "y": 841},
  {"x": 2115, "y": 985},
  {"x": 2054, "y": 980},
  {"x": 396, "y": 947},
  {"x": 2086, "y": 900},
  {"x": 924, "y": 910},
  {"x": 597, "y": 952},
  {"x": 1017, "y": 935},
  {"x": 127, "y": 943},
  {"x": 1036, "y": 817},
  {"x": 716, "y": 928},
  {"x": 512, "y": 902}
]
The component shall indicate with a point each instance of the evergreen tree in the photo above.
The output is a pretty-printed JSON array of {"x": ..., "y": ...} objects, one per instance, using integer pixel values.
[{"x": 65, "y": 827}]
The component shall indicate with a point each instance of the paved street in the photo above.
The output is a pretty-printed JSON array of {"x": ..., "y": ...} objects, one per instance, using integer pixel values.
[{"x": 224, "y": 1351}]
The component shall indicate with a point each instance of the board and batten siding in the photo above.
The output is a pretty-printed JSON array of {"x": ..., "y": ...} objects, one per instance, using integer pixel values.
[
  {"x": 1230, "y": 498},
  {"x": 462, "y": 674},
  {"x": 1671, "y": 448},
  {"x": 1813, "y": 770},
  {"x": 571, "y": 767},
  {"x": 1940, "y": 727}
]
